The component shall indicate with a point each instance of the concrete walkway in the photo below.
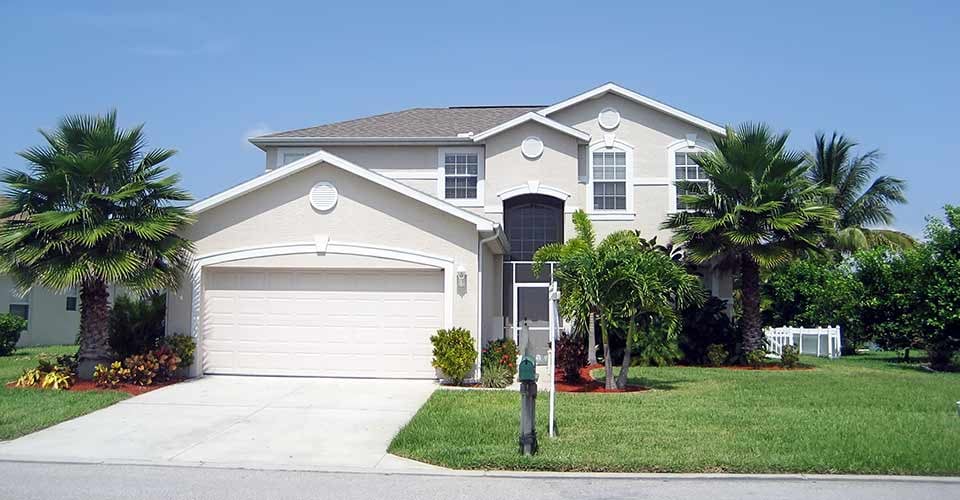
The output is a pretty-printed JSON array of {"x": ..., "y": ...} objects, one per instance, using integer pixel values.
[{"x": 274, "y": 422}]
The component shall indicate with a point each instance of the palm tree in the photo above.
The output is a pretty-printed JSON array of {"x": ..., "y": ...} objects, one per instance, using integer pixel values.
[
  {"x": 591, "y": 277},
  {"x": 859, "y": 201},
  {"x": 94, "y": 209},
  {"x": 760, "y": 210},
  {"x": 625, "y": 282},
  {"x": 656, "y": 289}
]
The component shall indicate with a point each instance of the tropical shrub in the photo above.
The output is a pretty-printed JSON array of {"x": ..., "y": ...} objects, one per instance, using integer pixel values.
[
  {"x": 110, "y": 376},
  {"x": 756, "y": 358},
  {"x": 816, "y": 292},
  {"x": 157, "y": 365},
  {"x": 704, "y": 326},
  {"x": 571, "y": 356},
  {"x": 717, "y": 355},
  {"x": 10, "y": 328},
  {"x": 137, "y": 324},
  {"x": 498, "y": 363},
  {"x": 656, "y": 348},
  {"x": 184, "y": 346},
  {"x": 453, "y": 353},
  {"x": 790, "y": 357},
  {"x": 57, "y": 374}
]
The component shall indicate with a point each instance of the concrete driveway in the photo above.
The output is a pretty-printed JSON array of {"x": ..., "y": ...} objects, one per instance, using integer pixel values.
[{"x": 270, "y": 422}]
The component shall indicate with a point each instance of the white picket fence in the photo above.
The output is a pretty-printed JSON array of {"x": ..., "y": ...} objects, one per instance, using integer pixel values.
[{"x": 819, "y": 341}]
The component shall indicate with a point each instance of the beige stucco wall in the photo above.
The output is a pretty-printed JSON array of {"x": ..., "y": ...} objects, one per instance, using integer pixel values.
[
  {"x": 365, "y": 213},
  {"x": 650, "y": 133},
  {"x": 415, "y": 166},
  {"x": 492, "y": 296},
  {"x": 49, "y": 320}
]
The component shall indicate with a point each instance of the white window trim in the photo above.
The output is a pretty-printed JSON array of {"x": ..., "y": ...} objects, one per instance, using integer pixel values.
[
  {"x": 627, "y": 214},
  {"x": 27, "y": 300},
  {"x": 681, "y": 146},
  {"x": 280, "y": 152},
  {"x": 481, "y": 176}
]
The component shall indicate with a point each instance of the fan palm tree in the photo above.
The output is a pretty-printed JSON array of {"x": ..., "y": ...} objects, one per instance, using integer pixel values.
[
  {"x": 859, "y": 202},
  {"x": 94, "y": 209},
  {"x": 759, "y": 211}
]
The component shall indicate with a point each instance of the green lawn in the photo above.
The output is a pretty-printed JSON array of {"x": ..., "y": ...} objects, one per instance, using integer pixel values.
[
  {"x": 23, "y": 411},
  {"x": 862, "y": 414}
]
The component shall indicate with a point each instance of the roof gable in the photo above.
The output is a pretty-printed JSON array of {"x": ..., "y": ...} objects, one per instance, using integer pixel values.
[
  {"x": 628, "y": 94},
  {"x": 534, "y": 117},
  {"x": 482, "y": 223}
]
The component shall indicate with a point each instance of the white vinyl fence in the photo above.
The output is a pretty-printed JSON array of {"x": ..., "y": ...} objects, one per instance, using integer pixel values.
[{"x": 819, "y": 341}]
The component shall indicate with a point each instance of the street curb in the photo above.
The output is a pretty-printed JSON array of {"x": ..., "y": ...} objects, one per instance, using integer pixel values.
[{"x": 441, "y": 472}]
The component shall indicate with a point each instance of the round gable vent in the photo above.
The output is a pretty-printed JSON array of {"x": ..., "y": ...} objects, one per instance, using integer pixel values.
[
  {"x": 609, "y": 118},
  {"x": 323, "y": 196},
  {"x": 531, "y": 147}
]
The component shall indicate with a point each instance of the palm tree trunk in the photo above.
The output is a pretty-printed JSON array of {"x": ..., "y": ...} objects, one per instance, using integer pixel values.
[
  {"x": 607, "y": 362},
  {"x": 592, "y": 340},
  {"x": 750, "y": 293},
  {"x": 94, "y": 327},
  {"x": 625, "y": 367}
]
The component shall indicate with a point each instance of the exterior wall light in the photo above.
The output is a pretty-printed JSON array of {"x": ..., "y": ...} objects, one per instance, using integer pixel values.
[{"x": 461, "y": 276}]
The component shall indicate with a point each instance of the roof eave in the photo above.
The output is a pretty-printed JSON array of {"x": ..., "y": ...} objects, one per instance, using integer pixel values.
[
  {"x": 535, "y": 117},
  {"x": 263, "y": 141}
]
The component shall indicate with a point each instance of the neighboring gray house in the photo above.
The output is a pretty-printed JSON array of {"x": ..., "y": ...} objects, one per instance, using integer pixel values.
[
  {"x": 52, "y": 318},
  {"x": 363, "y": 237}
]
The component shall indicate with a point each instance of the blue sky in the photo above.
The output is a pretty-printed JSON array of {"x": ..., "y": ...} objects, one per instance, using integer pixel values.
[{"x": 203, "y": 76}]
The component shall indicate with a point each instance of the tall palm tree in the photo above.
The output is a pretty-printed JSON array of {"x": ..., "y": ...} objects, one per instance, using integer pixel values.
[
  {"x": 759, "y": 211},
  {"x": 95, "y": 208},
  {"x": 860, "y": 202}
]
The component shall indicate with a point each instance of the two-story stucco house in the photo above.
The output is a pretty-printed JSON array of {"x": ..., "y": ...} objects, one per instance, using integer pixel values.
[{"x": 363, "y": 237}]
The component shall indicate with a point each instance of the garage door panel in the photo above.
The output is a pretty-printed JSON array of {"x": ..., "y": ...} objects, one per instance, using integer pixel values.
[{"x": 326, "y": 323}]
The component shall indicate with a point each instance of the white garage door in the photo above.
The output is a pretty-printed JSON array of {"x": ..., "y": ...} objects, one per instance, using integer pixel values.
[{"x": 342, "y": 323}]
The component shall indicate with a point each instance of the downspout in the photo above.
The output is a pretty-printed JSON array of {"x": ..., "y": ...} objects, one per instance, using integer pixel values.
[{"x": 480, "y": 244}]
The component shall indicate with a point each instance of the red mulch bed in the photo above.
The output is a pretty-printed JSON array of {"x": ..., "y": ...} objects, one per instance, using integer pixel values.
[
  {"x": 131, "y": 389},
  {"x": 588, "y": 384}
]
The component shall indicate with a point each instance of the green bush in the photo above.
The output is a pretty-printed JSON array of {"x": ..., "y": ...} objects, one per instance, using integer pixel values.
[
  {"x": 816, "y": 292},
  {"x": 704, "y": 326},
  {"x": 717, "y": 354},
  {"x": 571, "y": 356},
  {"x": 10, "y": 328},
  {"x": 656, "y": 347},
  {"x": 136, "y": 325},
  {"x": 182, "y": 345},
  {"x": 790, "y": 357},
  {"x": 498, "y": 363},
  {"x": 453, "y": 353},
  {"x": 756, "y": 358}
]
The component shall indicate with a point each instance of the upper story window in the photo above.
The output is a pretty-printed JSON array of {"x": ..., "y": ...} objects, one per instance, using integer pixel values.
[
  {"x": 609, "y": 179},
  {"x": 610, "y": 188},
  {"x": 686, "y": 169},
  {"x": 461, "y": 175}
]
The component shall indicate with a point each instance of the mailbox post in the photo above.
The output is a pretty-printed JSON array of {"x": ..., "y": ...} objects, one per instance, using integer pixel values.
[{"x": 527, "y": 375}]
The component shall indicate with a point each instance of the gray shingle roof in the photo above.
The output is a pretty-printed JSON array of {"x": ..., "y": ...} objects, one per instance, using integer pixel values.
[{"x": 416, "y": 122}]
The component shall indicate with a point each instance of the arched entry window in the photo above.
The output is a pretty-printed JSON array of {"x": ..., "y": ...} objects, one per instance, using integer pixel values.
[{"x": 532, "y": 221}]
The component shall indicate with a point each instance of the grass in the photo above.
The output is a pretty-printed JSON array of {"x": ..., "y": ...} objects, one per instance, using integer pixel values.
[
  {"x": 863, "y": 414},
  {"x": 25, "y": 410}
]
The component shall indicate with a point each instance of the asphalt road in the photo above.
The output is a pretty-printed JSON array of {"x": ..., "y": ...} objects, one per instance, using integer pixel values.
[{"x": 29, "y": 481}]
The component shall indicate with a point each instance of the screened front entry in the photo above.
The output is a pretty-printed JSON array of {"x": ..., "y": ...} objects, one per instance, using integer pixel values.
[{"x": 530, "y": 221}]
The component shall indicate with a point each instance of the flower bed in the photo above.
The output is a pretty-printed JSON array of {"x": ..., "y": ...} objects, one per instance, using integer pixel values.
[{"x": 588, "y": 384}]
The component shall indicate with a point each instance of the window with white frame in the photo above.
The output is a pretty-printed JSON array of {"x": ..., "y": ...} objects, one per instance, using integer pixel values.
[
  {"x": 609, "y": 178},
  {"x": 686, "y": 169},
  {"x": 72, "y": 299},
  {"x": 460, "y": 174},
  {"x": 289, "y": 157},
  {"x": 19, "y": 306}
]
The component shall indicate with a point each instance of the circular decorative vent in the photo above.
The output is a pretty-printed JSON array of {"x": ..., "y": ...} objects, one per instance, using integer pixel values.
[
  {"x": 609, "y": 118},
  {"x": 323, "y": 196},
  {"x": 531, "y": 147}
]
